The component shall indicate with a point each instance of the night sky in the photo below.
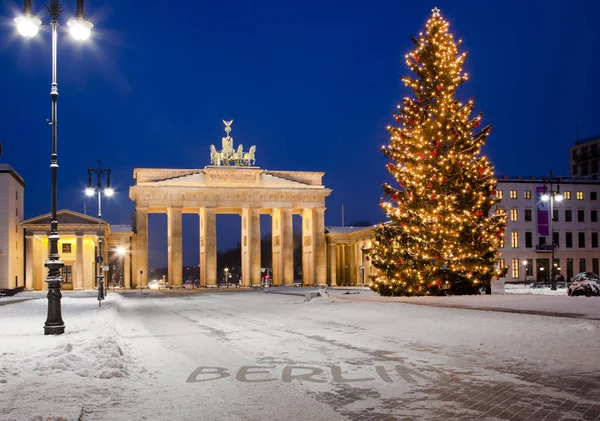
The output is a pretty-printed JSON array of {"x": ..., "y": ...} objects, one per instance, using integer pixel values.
[{"x": 312, "y": 84}]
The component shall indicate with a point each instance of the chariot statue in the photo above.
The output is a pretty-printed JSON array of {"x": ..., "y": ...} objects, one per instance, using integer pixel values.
[{"x": 228, "y": 155}]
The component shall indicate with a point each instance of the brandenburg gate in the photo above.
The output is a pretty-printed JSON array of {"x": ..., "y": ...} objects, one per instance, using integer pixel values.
[{"x": 233, "y": 185}]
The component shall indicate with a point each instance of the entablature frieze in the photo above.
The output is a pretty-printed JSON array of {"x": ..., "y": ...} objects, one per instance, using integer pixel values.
[{"x": 157, "y": 198}]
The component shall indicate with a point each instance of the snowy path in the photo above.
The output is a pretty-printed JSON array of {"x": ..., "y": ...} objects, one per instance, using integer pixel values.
[{"x": 242, "y": 356}]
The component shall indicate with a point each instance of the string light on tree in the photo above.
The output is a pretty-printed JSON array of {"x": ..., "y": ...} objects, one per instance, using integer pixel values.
[{"x": 443, "y": 236}]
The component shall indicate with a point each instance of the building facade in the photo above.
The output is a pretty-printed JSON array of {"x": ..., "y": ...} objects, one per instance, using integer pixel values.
[
  {"x": 584, "y": 157},
  {"x": 11, "y": 234},
  {"x": 77, "y": 247},
  {"x": 574, "y": 228},
  {"x": 348, "y": 260},
  {"x": 527, "y": 249}
]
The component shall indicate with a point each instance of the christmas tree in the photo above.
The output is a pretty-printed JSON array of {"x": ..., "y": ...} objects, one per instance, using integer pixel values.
[{"x": 441, "y": 237}]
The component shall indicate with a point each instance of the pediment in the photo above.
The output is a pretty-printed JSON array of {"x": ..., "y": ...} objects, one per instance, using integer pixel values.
[{"x": 64, "y": 217}]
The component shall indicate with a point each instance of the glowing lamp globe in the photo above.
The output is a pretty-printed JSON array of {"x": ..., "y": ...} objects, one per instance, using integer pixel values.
[
  {"x": 558, "y": 197},
  {"x": 28, "y": 25},
  {"x": 109, "y": 191},
  {"x": 89, "y": 191},
  {"x": 80, "y": 28},
  {"x": 545, "y": 197}
]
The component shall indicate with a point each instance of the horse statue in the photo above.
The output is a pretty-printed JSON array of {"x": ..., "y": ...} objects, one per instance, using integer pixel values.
[
  {"x": 249, "y": 156},
  {"x": 238, "y": 156},
  {"x": 215, "y": 157}
]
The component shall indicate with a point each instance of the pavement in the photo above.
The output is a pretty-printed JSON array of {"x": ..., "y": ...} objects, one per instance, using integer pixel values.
[{"x": 350, "y": 355}]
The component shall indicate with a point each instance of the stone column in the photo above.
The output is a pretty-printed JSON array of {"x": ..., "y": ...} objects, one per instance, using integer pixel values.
[
  {"x": 287, "y": 246},
  {"x": 320, "y": 249},
  {"x": 332, "y": 264},
  {"x": 126, "y": 267},
  {"x": 351, "y": 262},
  {"x": 251, "y": 247},
  {"x": 29, "y": 284},
  {"x": 277, "y": 256},
  {"x": 175, "y": 246},
  {"x": 308, "y": 247},
  {"x": 368, "y": 263},
  {"x": 208, "y": 247},
  {"x": 79, "y": 262},
  {"x": 141, "y": 251}
]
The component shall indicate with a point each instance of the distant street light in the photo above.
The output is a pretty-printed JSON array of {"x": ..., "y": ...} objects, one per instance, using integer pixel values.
[
  {"x": 108, "y": 191},
  {"x": 28, "y": 26},
  {"x": 552, "y": 195}
]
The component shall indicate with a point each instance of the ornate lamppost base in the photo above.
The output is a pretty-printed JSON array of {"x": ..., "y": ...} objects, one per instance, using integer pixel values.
[{"x": 54, "y": 324}]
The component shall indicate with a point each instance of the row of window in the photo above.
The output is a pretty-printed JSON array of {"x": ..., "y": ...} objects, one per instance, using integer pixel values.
[
  {"x": 586, "y": 169},
  {"x": 513, "y": 194},
  {"x": 527, "y": 217},
  {"x": 543, "y": 266},
  {"x": 581, "y": 243}
]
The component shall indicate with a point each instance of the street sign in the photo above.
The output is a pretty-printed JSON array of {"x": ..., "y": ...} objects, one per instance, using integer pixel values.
[{"x": 105, "y": 268}]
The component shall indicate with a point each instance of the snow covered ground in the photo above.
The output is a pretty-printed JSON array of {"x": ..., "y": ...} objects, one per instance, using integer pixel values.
[{"x": 256, "y": 356}]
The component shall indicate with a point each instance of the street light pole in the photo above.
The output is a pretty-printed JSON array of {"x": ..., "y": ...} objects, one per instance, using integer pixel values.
[
  {"x": 28, "y": 26},
  {"x": 108, "y": 191},
  {"x": 554, "y": 195}
]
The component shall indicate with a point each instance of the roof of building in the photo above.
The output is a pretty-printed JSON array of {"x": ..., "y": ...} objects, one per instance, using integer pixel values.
[
  {"x": 592, "y": 179},
  {"x": 586, "y": 140},
  {"x": 64, "y": 216},
  {"x": 345, "y": 230},
  {"x": 5, "y": 168}
]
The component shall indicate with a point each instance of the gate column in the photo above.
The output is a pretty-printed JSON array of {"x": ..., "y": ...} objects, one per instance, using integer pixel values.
[
  {"x": 287, "y": 246},
  {"x": 208, "y": 247},
  {"x": 175, "y": 246}
]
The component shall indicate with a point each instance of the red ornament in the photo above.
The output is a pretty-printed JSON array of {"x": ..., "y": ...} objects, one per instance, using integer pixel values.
[
  {"x": 454, "y": 132},
  {"x": 423, "y": 156},
  {"x": 432, "y": 197},
  {"x": 437, "y": 144},
  {"x": 399, "y": 262},
  {"x": 444, "y": 179},
  {"x": 434, "y": 153},
  {"x": 459, "y": 164},
  {"x": 479, "y": 213},
  {"x": 434, "y": 176},
  {"x": 429, "y": 185},
  {"x": 438, "y": 87},
  {"x": 413, "y": 122},
  {"x": 394, "y": 196},
  {"x": 416, "y": 58},
  {"x": 476, "y": 124},
  {"x": 398, "y": 119},
  {"x": 480, "y": 169},
  {"x": 367, "y": 258},
  {"x": 390, "y": 166},
  {"x": 402, "y": 223}
]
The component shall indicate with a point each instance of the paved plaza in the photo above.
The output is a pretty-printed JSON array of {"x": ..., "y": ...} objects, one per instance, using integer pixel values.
[{"x": 249, "y": 355}]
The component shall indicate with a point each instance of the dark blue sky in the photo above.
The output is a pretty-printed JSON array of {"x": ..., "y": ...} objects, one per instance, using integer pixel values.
[{"x": 313, "y": 84}]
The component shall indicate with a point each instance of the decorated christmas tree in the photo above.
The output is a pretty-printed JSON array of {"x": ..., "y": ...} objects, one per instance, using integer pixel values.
[{"x": 442, "y": 235}]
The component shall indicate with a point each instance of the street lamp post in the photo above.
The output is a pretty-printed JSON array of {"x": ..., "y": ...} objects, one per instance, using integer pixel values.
[
  {"x": 108, "y": 191},
  {"x": 28, "y": 26},
  {"x": 552, "y": 196}
]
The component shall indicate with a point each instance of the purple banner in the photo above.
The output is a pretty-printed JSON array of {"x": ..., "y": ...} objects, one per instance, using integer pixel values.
[{"x": 543, "y": 221}]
